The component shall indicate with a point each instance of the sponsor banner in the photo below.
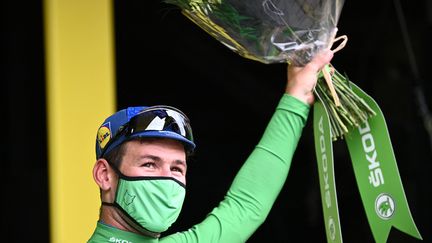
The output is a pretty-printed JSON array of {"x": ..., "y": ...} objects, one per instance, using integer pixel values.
[
  {"x": 375, "y": 170},
  {"x": 377, "y": 175},
  {"x": 324, "y": 153}
]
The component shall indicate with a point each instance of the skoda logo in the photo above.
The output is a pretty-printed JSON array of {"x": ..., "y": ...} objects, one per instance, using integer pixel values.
[{"x": 384, "y": 206}]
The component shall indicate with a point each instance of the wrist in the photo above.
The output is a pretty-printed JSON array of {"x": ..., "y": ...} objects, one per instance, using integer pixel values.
[{"x": 306, "y": 96}]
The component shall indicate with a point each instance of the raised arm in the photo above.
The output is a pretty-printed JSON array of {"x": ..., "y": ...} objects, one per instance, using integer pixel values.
[{"x": 261, "y": 178}]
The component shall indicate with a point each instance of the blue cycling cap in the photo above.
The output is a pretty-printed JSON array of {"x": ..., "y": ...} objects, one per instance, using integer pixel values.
[{"x": 141, "y": 121}]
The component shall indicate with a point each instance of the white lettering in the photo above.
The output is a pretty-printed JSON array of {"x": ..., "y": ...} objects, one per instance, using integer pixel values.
[
  {"x": 117, "y": 240},
  {"x": 365, "y": 129},
  {"x": 320, "y": 125},
  {"x": 324, "y": 165},
  {"x": 376, "y": 177},
  {"x": 327, "y": 197},
  {"x": 368, "y": 143},
  {"x": 373, "y": 163},
  {"x": 322, "y": 143}
]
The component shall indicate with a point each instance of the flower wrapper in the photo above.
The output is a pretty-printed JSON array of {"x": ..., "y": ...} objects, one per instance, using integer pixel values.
[
  {"x": 283, "y": 31},
  {"x": 269, "y": 31}
]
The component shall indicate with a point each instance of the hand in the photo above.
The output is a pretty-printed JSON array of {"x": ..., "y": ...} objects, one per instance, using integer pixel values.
[{"x": 302, "y": 80}]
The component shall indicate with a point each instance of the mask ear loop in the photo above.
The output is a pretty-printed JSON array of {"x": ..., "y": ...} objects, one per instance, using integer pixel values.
[{"x": 327, "y": 71}]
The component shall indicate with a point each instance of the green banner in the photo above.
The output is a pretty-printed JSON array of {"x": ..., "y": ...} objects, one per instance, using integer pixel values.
[
  {"x": 377, "y": 175},
  {"x": 324, "y": 154},
  {"x": 375, "y": 170}
]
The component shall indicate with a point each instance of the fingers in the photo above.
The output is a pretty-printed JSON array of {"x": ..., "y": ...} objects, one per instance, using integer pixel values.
[
  {"x": 320, "y": 60},
  {"x": 302, "y": 80}
]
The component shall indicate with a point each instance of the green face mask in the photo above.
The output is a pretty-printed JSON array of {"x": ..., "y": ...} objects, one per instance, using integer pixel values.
[{"x": 151, "y": 204}]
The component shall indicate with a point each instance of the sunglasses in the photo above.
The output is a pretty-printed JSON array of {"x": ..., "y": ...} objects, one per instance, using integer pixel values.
[{"x": 156, "y": 118}]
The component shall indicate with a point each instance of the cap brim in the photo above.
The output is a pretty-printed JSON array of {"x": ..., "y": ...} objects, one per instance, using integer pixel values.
[{"x": 190, "y": 146}]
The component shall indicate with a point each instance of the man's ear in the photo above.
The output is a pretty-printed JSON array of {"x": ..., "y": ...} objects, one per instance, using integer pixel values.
[{"x": 103, "y": 174}]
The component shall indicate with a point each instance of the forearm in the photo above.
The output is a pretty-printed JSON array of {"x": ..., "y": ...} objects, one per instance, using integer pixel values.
[
  {"x": 261, "y": 178},
  {"x": 257, "y": 184}
]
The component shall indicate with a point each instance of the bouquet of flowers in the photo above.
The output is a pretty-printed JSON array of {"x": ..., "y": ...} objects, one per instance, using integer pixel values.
[
  {"x": 293, "y": 32},
  {"x": 284, "y": 31}
]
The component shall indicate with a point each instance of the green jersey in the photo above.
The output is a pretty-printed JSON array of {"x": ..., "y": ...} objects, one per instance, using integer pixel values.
[{"x": 252, "y": 193}]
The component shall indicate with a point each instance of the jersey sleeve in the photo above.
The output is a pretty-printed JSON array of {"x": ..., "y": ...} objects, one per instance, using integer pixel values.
[{"x": 258, "y": 182}]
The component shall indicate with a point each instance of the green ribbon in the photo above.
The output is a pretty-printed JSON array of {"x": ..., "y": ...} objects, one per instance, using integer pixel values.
[
  {"x": 375, "y": 170},
  {"x": 324, "y": 153}
]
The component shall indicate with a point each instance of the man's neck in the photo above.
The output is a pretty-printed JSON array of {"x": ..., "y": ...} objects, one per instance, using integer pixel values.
[{"x": 111, "y": 216}]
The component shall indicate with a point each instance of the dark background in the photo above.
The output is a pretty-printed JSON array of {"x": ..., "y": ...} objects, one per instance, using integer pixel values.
[{"x": 163, "y": 58}]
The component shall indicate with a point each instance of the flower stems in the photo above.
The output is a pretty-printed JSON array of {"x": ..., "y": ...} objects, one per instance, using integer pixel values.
[{"x": 352, "y": 110}]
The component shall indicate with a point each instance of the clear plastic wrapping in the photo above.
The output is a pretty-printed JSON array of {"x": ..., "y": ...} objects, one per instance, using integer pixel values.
[
  {"x": 269, "y": 31},
  {"x": 278, "y": 31}
]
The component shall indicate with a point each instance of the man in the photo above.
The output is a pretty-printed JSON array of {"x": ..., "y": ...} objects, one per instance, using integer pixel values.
[{"x": 141, "y": 170}]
